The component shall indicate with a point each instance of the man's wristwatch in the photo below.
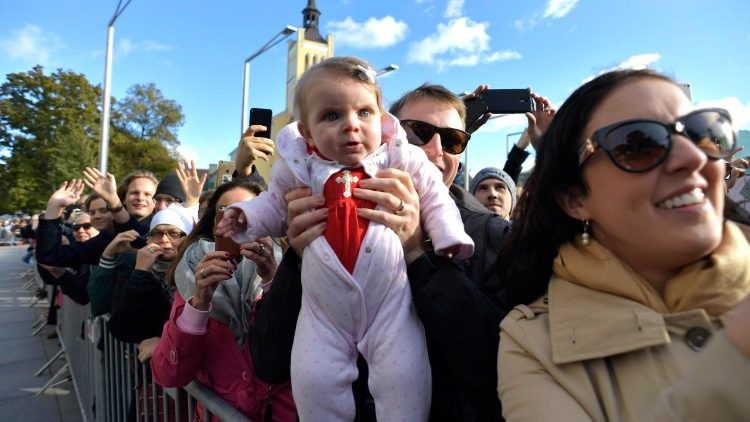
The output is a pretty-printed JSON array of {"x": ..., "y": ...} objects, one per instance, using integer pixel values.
[{"x": 115, "y": 209}]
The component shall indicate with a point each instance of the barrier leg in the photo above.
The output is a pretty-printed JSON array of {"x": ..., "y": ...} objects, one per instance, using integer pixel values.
[
  {"x": 49, "y": 362},
  {"x": 49, "y": 383}
]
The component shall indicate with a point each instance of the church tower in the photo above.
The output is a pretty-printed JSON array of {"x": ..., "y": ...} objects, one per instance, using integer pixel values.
[{"x": 307, "y": 49}]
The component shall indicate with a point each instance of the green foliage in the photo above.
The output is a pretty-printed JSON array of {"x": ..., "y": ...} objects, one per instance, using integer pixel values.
[
  {"x": 50, "y": 126},
  {"x": 146, "y": 115}
]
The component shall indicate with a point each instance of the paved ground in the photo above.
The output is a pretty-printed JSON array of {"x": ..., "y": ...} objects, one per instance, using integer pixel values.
[{"x": 21, "y": 354}]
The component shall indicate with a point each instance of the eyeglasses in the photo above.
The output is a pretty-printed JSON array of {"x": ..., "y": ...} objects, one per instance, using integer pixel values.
[
  {"x": 166, "y": 200},
  {"x": 172, "y": 234},
  {"x": 420, "y": 133},
  {"x": 85, "y": 226},
  {"x": 640, "y": 145}
]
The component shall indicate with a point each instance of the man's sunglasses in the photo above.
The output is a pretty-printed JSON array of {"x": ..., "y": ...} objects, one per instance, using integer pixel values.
[
  {"x": 640, "y": 145},
  {"x": 420, "y": 133},
  {"x": 85, "y": 226}
]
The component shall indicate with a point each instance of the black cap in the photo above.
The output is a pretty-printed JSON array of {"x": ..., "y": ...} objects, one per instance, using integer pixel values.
[{"x": 170, "y": 185}]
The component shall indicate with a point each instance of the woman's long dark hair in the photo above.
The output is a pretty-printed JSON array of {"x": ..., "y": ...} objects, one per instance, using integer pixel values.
[
  {"x": 540, "y": 225},
  {"x": 204, "y": 229}
]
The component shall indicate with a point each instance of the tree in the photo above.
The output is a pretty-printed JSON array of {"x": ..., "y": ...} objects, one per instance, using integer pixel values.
[
  {"x": 48, "y": 130},
  {"x": 146, "y": 115},
  {"x": 50, "y": 126}
]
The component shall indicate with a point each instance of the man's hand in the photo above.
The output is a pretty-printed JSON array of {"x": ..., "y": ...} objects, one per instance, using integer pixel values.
[
  {"x": 304, "y": 226},
  {"x": 252, "y": 148},
  {"x": 191, "y": 184},
  {"x": 104, "y": 185},
  {"x": 67, "y": 194},
  {"x": 394, "y": 191},
  {"x": 474, "y": 126}
]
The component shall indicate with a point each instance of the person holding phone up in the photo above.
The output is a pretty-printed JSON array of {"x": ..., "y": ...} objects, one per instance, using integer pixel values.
[{"x": 207, "y": 335}]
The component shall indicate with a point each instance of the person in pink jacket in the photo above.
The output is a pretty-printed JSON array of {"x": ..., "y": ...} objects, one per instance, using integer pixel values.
[
  {"x": 207, "y": 334},
  {"x": 355, "y": 294}
]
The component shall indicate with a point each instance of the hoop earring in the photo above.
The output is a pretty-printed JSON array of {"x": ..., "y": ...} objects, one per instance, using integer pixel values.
[{"x": 585, "y": 236}]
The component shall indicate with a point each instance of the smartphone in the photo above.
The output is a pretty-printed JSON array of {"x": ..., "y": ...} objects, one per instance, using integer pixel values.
[
  {"x": 508, "y": 101},
  {"x": 262, "y": 116},
  {"x": 226, "y": 244}
]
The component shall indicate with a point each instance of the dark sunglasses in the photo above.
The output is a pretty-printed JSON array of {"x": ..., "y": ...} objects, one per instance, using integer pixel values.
[
  {"x": 420, "y": 133},
  {"x": 85, "y": 226},
  {"x": 172, "y": 234},
  {"x": 640, "y": 145}
]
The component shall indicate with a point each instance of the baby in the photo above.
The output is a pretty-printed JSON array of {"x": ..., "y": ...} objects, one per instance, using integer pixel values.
[{"x": 355, "y": 292}]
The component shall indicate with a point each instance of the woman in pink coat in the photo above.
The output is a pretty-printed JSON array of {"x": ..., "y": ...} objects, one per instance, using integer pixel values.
[{"x": 207, "y": 335}]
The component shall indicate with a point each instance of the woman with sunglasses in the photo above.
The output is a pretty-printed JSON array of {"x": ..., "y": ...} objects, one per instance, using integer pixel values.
[{"x": 624, "y": 272}]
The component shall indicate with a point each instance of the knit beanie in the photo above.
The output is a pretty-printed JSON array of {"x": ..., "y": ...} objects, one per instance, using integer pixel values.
[
  {"x": 495, "y": 173},
  {"x": 170, "y": 185}
]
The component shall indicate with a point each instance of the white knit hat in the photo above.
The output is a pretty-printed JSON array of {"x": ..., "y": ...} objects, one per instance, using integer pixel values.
[{"x": 174, "y": 215}]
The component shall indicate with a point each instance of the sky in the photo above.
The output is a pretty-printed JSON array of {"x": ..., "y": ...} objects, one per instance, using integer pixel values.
[{"x": 194, "y": 51}]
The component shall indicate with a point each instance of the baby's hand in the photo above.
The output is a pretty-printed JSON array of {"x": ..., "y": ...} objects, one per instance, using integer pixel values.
[
  {"x": 449, "y": 252},
  {"x": 234, "y": 222}
]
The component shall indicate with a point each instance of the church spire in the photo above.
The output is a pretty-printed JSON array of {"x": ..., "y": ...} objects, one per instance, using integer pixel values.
[{"x": 310, "y": 17}]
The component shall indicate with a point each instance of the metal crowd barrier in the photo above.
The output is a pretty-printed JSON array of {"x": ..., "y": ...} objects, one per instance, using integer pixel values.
[{"x": 112, "y": 385}]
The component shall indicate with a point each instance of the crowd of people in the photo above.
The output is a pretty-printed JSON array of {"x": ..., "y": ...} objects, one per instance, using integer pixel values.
[{"x": 361, "y": 283}]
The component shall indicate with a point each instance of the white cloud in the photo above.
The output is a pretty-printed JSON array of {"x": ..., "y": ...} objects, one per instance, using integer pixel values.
[
  {"x": 454, "y": 9},
  {"x": 31, "y": 44},
  {"x": 373, "y": 33},
  {"x": 557, "y": 9},
  {"x": 639, "y": 61},
  {"x": 126, "y": 47},
  {"x": 740, "y": 112},
  {"x": 503, "y": 56},
  {"x": 459, "y": 42}
]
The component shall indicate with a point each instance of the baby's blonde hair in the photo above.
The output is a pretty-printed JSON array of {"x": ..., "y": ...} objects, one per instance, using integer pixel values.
[{"x": 354, "y": 67}]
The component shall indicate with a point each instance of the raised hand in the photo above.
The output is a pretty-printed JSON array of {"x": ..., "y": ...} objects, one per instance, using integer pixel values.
[
  {"x": 252, "y": 148},
  {"x": 104, "y": 185},
  {"x": 191, "y": 184},
  {"x": 474, "y": 126},
  {"x": 68, "y": 193},
  {"x": 539, "y": 120}
]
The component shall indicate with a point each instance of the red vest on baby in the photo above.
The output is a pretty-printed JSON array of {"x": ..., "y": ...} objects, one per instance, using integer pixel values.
[{"x": 345, "y": 229}]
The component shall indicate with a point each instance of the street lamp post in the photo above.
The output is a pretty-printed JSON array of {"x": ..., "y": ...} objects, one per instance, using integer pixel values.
[
  {"x": 279, "y": 37},
  {"x": 104, "y": 144}
]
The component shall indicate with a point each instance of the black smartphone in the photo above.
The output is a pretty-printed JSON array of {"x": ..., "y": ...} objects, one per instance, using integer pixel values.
[
  {"x": 499, "y": 101},
  {"x": 262, "y": 116},
  {"x": 508, "y": 101}
]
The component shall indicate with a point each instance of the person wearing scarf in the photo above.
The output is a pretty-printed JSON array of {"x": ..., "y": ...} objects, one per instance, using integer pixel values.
[
  {"x": 207, "y": 335},
  {"x": 631, "y": 288}
]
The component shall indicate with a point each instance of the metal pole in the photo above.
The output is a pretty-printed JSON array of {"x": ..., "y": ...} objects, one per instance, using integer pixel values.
[
  {"x": 466, "y": 169},
  {"x": 245, "y": 81},
  {"x": 104, "y": 145}
]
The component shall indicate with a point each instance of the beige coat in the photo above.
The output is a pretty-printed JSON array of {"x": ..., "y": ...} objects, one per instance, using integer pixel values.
[{"x": 580, "y": 355}]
